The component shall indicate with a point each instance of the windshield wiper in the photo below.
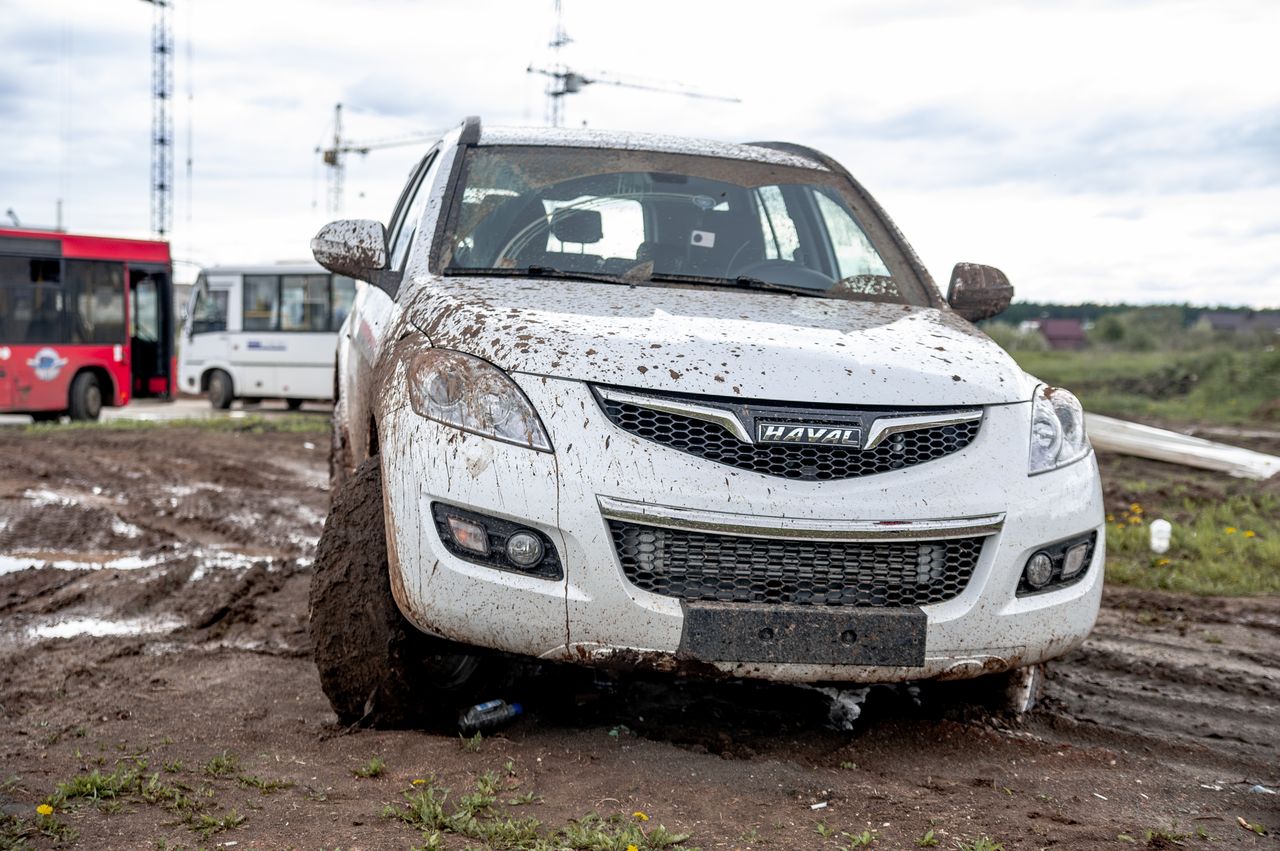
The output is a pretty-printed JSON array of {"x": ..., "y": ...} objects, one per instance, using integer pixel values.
[
  {"x": 539, "y": 272},
  {"x": 743, "y": 282}
]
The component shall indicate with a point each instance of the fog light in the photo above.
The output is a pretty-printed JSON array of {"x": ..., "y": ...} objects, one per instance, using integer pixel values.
[
  {"x": 1039, "y": 570},
  {"x": 524, "y": 549},
  {"x": 1073, "y": 563},
  {"x": 470, "y": 536}
]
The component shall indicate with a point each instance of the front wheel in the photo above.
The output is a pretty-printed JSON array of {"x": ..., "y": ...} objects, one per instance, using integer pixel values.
[
  {"x": 293, "y": 404},
  {"x": 220, "y": 390},
  {"x": 375, "y": 667},
  {"x": 86, "y": 397}
]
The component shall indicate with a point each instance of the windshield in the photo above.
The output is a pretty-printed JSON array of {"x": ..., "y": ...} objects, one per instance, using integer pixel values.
[{"x": 644, "y": 217}]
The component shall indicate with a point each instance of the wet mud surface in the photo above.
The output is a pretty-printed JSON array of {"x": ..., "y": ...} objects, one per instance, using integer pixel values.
[{"x": 153, "y": 605}]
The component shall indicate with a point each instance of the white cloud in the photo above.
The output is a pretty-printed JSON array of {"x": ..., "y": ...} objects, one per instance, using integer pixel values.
[{"x": 1117, "y": 150}]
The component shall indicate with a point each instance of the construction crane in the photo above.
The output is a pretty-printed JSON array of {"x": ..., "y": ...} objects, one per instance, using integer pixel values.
[
  {"x": 568, "y": 82},
  {"x": 563, "y": 81},
  {"x": 334, "y": 156},
  {"x": 161, "y": 118}
]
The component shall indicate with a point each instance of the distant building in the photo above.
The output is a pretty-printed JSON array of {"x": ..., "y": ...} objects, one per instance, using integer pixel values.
[
  {"x": 1061, "y": 333},
  {"x": 1241, "y": 321}
]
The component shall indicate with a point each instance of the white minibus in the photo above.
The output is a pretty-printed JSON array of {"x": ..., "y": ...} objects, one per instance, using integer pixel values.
[{"x": 254, "y": 332}]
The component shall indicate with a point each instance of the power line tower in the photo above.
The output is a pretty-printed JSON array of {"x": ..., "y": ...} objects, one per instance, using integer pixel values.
[{"x": 161, "y": 118}]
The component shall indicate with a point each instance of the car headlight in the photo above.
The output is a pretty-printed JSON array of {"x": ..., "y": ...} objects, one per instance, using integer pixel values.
[
  {"x": 1057, "y": 430},
  {"x": 473, "y": 395}
]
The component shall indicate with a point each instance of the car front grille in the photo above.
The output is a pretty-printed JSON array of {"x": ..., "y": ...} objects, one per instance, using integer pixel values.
[
  {"x": 692, "y": 565},
  {"x": 805, "y": 462}
]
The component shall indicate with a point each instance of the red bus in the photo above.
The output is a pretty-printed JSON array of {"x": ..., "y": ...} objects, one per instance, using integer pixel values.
[{"x": 85, "y": 321}]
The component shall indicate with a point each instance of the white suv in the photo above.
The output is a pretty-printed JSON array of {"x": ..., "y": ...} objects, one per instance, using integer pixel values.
[{"x": 648, "y": 402}]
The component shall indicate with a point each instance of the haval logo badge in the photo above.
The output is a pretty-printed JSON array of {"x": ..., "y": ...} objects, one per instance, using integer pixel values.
[{"x": 821, "y": 435}]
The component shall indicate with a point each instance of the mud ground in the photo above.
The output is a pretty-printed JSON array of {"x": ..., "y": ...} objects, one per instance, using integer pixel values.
[{"x": 153, "y": 591}]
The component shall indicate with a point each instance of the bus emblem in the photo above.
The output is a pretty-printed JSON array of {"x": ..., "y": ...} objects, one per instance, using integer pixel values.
[{"x": 47, "y": 364}]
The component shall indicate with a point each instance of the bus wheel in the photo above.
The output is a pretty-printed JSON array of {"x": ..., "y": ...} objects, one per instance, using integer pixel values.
[
  {"x": 220, "y": 394},
  {"x": 294, "y": 404},
  {"x": 86, "y": 397}
]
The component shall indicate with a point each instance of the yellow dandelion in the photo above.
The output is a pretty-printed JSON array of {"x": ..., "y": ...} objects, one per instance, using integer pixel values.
[
  {"x": 417, "y": 781},
  {"x": 1230, "y": 530},
  {"x": 1134, "y": 521},
  {"x": 1111, "y": 518},
  {"x": 1249, "y": 533},
  {"x": 639, "y": 816},
  {"x": 1119, "y": 527},
  {"x": 632, "y": 847},
  {"x": 1161, "y": 562},
  {"x": 44, "y": 810},
  {"x": 1135, "y": 508}
]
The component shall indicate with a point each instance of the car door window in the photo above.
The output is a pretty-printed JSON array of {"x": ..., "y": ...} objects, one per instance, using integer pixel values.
[{"x": 409, "y": 214}]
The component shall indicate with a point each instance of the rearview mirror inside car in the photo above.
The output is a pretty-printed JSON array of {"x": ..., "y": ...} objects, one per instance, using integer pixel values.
[
  {"x": 356, "y": 248},
  {"x": 978, "y": 292}
]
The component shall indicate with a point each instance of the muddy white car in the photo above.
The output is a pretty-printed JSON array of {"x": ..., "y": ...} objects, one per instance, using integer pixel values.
[{"x": 645, "y": 402}]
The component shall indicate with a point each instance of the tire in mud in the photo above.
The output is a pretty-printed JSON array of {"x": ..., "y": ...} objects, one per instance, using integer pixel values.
[{"x": 375, "y": 667}]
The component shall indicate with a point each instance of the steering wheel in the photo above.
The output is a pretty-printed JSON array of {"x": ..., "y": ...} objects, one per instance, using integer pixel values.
[{"x": 787, "y": 273}]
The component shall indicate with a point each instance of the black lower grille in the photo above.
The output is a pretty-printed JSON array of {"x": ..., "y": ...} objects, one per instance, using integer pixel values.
[
  {"x": 790, "y": 461},
  {"x": 736, "y": 569}
]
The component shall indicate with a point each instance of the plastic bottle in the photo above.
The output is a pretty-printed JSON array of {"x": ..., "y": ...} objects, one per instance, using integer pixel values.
[
  {"x": 1160, "y": 532},
  {"x": 489, "y": 716}
]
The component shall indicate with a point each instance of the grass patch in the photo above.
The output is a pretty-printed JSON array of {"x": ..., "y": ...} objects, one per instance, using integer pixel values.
[
  {"x": 1216, "y": 384},
  {"x": 262, "y": 784},
  {"x": 1229, "y": 546},
  {"x": 207, "y": 825},
  {"x": 97, "y": 786},
  {"x": 253, "y": 424},
  {"x": 375, "y": 767},
  {"x": 222, "y": 765},
  {"x": 475, "y": 817},
  {"x": 982, "y": 843}
]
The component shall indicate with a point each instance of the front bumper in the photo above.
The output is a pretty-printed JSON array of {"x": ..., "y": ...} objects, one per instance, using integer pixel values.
[{"x": 595, "y": 616}]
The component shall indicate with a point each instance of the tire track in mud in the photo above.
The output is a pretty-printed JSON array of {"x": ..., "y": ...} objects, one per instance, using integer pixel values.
[{"x": 1170, "y": 669}]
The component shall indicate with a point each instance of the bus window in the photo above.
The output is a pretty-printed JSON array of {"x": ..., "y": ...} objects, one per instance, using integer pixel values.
[
  {"x": 210, "y": 312},
  {"x": 344, "y": 294},
  {"x": 261, "y": 303},
  {"x": 31, "y": 301},
  {"x": 96, "y": 289},
  {"x": 304, "y": 303}
]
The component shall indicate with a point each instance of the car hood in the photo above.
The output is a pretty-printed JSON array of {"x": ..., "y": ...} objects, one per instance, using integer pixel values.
[{"x": 720, "y": 342}]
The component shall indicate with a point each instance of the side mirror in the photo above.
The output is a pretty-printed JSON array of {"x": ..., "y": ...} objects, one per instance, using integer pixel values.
[
  {"x": 978, "y": 292},
  {"x": 356, "y": 248}
]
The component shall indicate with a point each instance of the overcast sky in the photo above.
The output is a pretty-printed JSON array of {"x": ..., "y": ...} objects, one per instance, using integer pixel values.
[{"x": 1094, "y": 150}]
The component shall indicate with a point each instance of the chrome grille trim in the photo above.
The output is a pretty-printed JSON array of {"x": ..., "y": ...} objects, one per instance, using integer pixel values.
[
  {"x": 816, "y": 445},
  {"x": 796, "y": 528}
]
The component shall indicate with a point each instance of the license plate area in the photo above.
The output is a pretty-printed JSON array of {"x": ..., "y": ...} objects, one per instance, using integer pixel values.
[{"x": 736, "y": 632}]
